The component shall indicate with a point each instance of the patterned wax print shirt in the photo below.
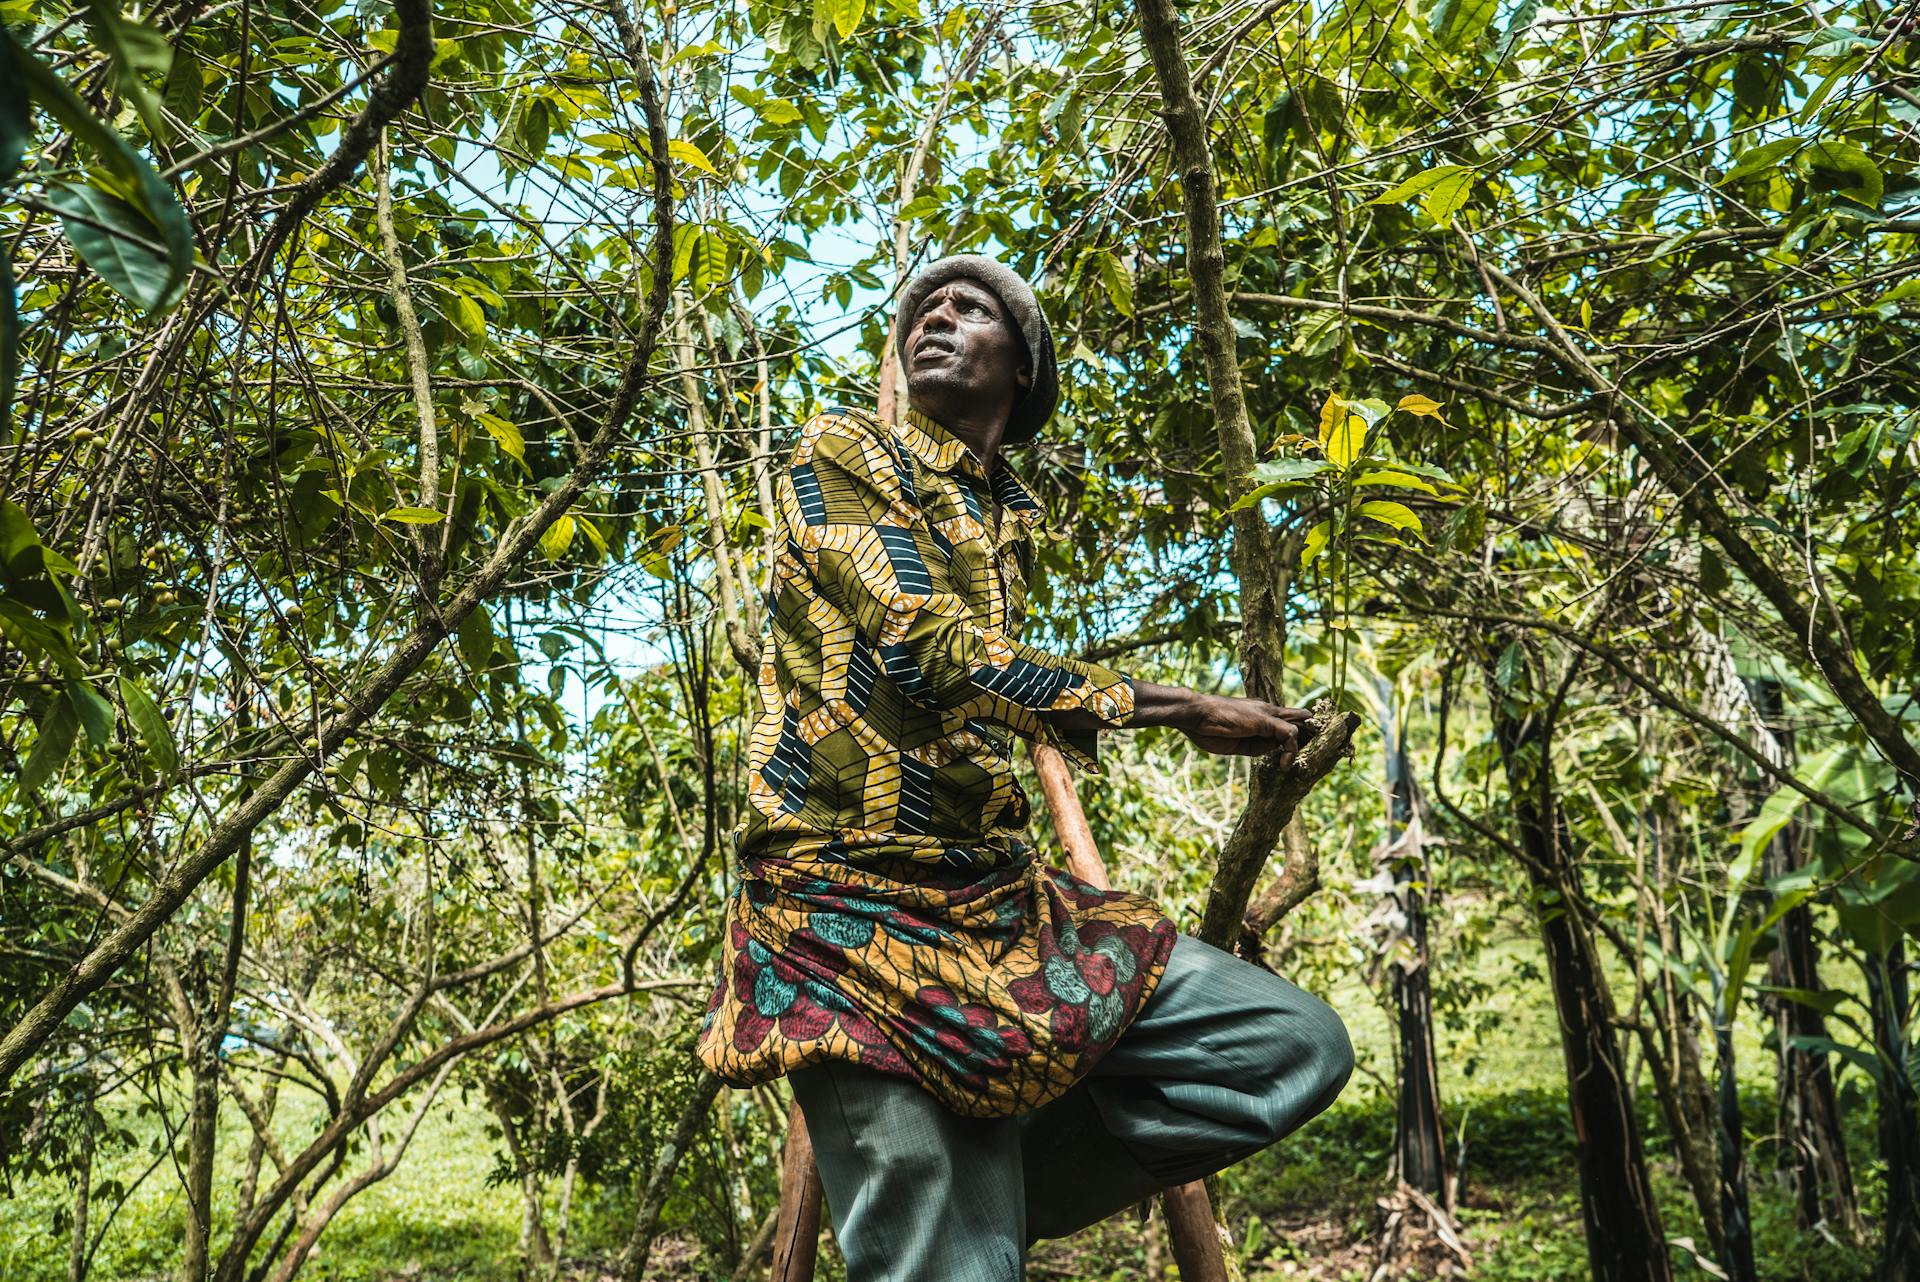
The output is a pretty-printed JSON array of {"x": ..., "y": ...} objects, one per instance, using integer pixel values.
[{"x": 889, "y": 912}]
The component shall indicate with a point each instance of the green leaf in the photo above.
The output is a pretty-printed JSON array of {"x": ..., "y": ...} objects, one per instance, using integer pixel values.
[
  {"x": 1398, "y": 515},
  {"x": 184, "y": 89},
  {"x": 1281, "y": 121},
  {"x": 95, "y": 713},
  {"x": 468, "y": 318},
  {"x": 413, "y": 515},
  {"x": 1865, "y": 1060},
  {"x": 51, "y": 747},
  {"x": 920, "y": 206},
  {"x": 1118, "y": 281},
  {"x": 150, "y": 725},
  {"x": 118, "y": 240},
  {"x": 1442, "y": 190},
  {"x": 1825, "y": 1000},
  {"x": 533, "y": 127},
  {"x": 1316, "y": 333},
  {"x": 1286, "y": 474},
  {"x": 134, "y": 48},
  {"x": 16, "y": 111},
  {"x": 1765, "y": 156},
  {"x": 1832, "y": 158},
  {"x": 1457, "y": 23},
  {"x": 475, "y": 639},
  {"x": 1287, "y": 470},
  {"x": 1510, "y": 666},
  {"x": 1467, "y": 528},
  {"x": 1778, "y": 810},
  {"x": 1422, "y": 406},
  {"x": 699, "y": 257},
  {"x": 1444, "y": 199}
]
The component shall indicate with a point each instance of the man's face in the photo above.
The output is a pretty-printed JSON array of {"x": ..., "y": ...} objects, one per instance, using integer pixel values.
[{"x": 964, "y": 350}]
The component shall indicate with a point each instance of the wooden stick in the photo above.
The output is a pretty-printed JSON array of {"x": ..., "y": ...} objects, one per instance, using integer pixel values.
[
  {"x": 1195, "y": 1235},
  {"x": 796, "y": 1242},
  {"x": 1069, "y": 820},
  {"x": 1188, "y": 1209}
]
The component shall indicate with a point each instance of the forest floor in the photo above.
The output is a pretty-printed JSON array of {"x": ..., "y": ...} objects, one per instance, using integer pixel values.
[{"x": 1309, "y": 1208}]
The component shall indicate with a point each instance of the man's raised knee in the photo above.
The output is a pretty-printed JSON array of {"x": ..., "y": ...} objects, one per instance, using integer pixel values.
[{"x": 1313, "y": 1062}]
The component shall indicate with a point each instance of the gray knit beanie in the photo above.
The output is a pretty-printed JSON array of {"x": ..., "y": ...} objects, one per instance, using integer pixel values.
[{"x": 1030, "y": 412}]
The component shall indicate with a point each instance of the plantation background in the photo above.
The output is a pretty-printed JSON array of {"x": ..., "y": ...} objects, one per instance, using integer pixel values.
[{"x": 392, "y": 395}]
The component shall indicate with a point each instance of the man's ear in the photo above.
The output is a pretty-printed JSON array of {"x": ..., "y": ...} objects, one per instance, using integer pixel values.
[{"x": 1024, "y": 376}]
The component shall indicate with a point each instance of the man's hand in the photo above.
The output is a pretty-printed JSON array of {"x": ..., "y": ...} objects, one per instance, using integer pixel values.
[{"x": 1221, "y": 724}]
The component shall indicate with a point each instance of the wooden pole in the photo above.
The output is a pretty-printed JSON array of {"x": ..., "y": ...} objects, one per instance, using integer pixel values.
[
  {"x": 1069, "y": 820},
  {"x": 1189, "y": 1211},
  {"x": 796, "y": 1241}
]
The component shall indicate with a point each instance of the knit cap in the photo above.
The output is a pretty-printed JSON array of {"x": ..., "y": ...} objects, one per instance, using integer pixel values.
[{"x": 1031, "y": 411}]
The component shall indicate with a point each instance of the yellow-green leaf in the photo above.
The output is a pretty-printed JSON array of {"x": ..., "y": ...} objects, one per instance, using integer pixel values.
[
  {"x": 1343, "y": 445},
  {"x": 1388, "y": 476},
  {"x": 411, "y": 515},
  {"x": 594, "y": 536},
  {"x": 505, "y": 435},
  {"x": 558, "y": 538},
  {"x": 1118, "y": 281},
  {"x": 1425, "y": 406},
  {"x": 1443, "y": 200},
  {"x": 468, "y": 318},
  {"x": 1398, "y": 515},
  {"x": 1314, "y": 544},
  {"x": 1330, "y": 413},
  {"x": 846, "y": 15},
  {"x": 688, "y": 154},
  {"x": 1425, "y": 182}
]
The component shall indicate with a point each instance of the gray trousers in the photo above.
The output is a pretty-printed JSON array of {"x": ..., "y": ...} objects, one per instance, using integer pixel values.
[{"x": 1223, "y": 1060}]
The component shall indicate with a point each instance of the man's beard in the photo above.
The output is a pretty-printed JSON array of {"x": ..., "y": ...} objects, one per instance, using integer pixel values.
[{"x": 940, "y": 380}]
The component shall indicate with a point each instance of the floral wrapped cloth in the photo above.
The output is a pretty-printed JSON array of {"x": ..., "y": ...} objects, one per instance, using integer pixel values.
[{"x": 888, "y": 911}]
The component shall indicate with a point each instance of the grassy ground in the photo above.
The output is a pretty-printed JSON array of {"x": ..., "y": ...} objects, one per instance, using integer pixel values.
[{"x": 1305, "y": 1209}]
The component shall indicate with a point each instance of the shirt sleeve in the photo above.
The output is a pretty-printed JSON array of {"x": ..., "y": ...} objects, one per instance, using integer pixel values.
[{"x": 856, "y": 529}]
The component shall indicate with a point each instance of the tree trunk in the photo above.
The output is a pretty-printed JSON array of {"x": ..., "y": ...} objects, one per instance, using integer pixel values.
[
  {"x": 536, "y": 1250},
  {"x": 653, "y": 1197},
  {"x": 1899, "y": 1115},
  {"x": 207, "y": 1034},
  {"x": 1813, "y": 1149},
  {"x": 1420, "y": 1145},
  {"x": 1731, "y": 1144},
  {"x": 1671, "y": 1049},
  {"x": 82, "y": 1200},
  {"x": 1625, "y": 1241}
]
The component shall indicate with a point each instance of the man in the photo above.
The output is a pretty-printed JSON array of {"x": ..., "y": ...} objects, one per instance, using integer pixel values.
[{"x": 987, "y": 1050}]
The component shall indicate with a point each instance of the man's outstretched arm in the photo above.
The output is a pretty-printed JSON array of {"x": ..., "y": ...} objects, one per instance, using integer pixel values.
[{"x": 1215, "y": 722}]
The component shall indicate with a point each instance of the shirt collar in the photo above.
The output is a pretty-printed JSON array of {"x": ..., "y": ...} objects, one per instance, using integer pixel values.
[{"x": 939, "y": 449}]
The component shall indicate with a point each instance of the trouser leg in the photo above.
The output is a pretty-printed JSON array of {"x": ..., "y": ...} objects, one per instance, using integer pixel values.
[
  {"x": 1223, "y": 1060},
  {"x": 915, "y": 1192}
]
